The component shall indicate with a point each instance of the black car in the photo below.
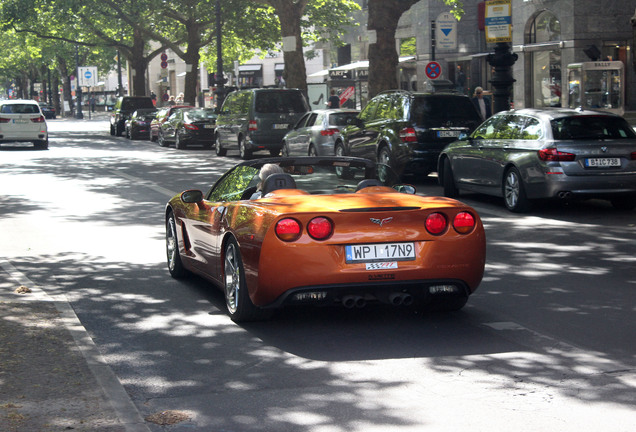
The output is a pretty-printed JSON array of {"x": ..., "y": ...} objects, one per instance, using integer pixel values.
[
  {"x": 188, "y": 126},
  {"x": 408, "y": 130},
  {"x": 47, "y": 110},
  {"x": 124, "y": 107},
  {"x": 138, "y": 125}
]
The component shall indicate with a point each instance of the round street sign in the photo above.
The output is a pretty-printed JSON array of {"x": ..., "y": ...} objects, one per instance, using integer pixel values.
[{"x": 433, "y": 70}]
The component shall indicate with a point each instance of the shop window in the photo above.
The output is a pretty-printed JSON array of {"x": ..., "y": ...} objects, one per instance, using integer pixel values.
[{"x": 546, "y": 63}]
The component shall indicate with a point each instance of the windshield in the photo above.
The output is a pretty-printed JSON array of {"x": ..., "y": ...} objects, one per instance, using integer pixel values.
[
  {"x": 341, "y": 119},
  {"x": 201, "y": 114}
]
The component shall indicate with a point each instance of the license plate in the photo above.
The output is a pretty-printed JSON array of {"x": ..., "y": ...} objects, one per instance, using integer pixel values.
[
  {"x": 602, "y": 162},
  {"x": 281, "y": 125},
  {"x": 208, "y": 126},
  {"x": 380, "y": 252},
  {"x": 448, "y": 134},
  {"x": 19, "y": 121}
]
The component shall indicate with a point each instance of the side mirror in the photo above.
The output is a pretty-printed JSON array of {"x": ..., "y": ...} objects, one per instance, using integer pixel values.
[
  {"x": 192, "y": 196},
  {"x": 405, "y": 188}
]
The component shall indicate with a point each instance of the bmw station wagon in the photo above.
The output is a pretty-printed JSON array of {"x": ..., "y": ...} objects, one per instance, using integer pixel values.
[{"x": 527, "y": 154}]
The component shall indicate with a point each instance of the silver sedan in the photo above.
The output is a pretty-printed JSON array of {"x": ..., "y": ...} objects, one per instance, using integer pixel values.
[
  {"x": 315, "y": 133},
  {"x": 527, "y": 154}
]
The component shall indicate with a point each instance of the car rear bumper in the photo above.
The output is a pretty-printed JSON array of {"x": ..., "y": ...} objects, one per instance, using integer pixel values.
[{"x": 563, "y": 186}]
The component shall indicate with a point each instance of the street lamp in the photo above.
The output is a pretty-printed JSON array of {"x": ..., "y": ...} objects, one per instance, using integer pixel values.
[{"x": 78, "y": 88}]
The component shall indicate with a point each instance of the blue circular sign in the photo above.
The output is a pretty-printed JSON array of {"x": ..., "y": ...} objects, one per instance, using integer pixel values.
[{"x": 88, "y": 75}]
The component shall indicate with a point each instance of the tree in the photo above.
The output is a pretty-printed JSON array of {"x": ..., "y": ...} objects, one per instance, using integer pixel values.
[
  {"x": 384, "y": 16},
  {"x": 295, "y": 15}
]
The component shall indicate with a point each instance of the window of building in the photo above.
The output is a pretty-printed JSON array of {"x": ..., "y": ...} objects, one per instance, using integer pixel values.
[{"x": 545, "y": 63}]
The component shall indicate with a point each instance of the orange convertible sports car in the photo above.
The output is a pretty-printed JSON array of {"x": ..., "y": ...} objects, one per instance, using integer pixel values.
[{"x": 324, "y": 231}]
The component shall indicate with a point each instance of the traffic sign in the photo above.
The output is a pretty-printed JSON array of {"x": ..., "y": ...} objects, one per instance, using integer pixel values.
[
  {"x": 446, "y": 31},
  {"x": 87, "y": 76},
  {"x": 433, "y": 70}
]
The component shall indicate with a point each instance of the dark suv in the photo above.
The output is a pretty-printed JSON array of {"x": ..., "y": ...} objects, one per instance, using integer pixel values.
[
  {"x": 258, "y": 119},
  {"x": 408, "y": 130},
  {"x": 124, "y": 107}
]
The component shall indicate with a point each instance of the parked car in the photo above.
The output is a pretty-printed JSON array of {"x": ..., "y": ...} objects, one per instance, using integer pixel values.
[
  {"x": 47, "y": 110},
  {"x": 527, "y": 154},
  {"x": 138, "y": 125},
  {"x": 162, "y": 115},
  {"x": 22, "y": 120},
  {"x": 187, "y": 126},
  {"x": 316, "y": 132},
  {"x": 257, "y": 119},
  {"x": 345, "y": 241},
  {"x": 408, "y": 130},
  {"x": 123, "y": 109}
]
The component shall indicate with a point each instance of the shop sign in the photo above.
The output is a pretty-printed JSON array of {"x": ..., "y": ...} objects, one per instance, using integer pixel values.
[{"x": 339, "y": 74}]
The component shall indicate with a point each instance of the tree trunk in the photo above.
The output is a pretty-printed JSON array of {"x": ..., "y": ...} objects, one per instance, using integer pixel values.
[
  {"x": 191, "y": 58},
  {"x": 139, "y": 65},
  {"x": 384, "y": 16},
  {"x": 290, "y": 14}
]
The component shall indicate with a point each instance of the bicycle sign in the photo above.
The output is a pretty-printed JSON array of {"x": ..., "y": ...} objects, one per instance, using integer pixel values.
[{"x": 433, "y": 70}]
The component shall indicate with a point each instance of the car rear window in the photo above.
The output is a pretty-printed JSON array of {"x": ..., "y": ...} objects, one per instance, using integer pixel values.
[
  {"x": 280, "y": 102},
  {"x": 20, "y": 109},
  {"x": 132, "y": 104},
  {"x": 341, "y": 119},
  {"x": 433, "y": 109},
  {"x": 201, "y": 114},
  {"x": 591, "y": 127}
]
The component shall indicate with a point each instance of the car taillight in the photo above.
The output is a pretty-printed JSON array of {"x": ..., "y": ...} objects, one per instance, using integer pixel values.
[
  {"x": 408, "y": 135},
  {"x": 436, "y": 223},
  {"x": 329, "y": 132},
  {"x": 320, "y": 228},
  {"x": 464, "y": 222},
  {"x": 553, "y": 155},
  {"x": 633, "y": 156},
  {"x": 252, "y": 125},
  {"x": 4, "y": 120},
  {"x": 190, "y": 126},
  {"x": 38, "y": 119},
  {"x": 288, "y": 229}
]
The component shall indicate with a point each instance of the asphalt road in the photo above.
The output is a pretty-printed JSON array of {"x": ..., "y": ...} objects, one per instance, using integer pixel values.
[{"x": 546, "y": 343}]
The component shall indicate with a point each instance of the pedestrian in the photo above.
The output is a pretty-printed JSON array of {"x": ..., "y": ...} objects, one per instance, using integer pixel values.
[
  {"x": 179, "y": 99},
  {"x": 482, "y": 105},
  {"x": 91, "y": 102},
  {"x": 460, "y": 79},
  {"x": 334, "y": 100},
  {"x": 171, "y": 101}
]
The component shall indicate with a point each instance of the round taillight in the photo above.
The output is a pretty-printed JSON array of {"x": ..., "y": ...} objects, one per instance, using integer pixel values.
[
  {"x": 288, "y": 229},
  {"x": 436, "y": 223},
  {"x": 464, "y": 222},
  {"x": 320, "y": 228}
]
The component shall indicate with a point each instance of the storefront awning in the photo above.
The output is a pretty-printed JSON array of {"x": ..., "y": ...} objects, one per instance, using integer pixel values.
[{"x": 362, "y": 64}]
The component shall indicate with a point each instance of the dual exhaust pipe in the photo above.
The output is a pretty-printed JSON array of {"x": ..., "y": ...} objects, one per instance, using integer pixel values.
[
  {"x": 564, "y": 195},
  {"x": 395, "y": 299}
]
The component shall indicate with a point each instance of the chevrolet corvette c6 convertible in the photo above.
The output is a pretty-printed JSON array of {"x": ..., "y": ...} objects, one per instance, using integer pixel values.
[{"x": 324, "y": 231}]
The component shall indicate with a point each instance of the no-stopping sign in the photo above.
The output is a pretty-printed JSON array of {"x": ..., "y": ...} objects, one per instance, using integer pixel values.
[{"x": 433, "y": 70}]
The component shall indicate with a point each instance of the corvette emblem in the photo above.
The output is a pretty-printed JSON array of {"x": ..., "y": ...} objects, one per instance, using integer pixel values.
[{"x": 381, "y": 221}]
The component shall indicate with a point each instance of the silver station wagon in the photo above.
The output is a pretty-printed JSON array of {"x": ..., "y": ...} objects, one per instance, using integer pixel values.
[{"x": 528, "y": 154}]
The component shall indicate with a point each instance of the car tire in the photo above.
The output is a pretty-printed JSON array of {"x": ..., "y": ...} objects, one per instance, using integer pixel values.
[
  {"x": 175, "y": 265},
  {"x": 342, "y": 172},
  {"x": 179, "y": 143},
  {"x": 384, "y": 156},
  {"x": 514, "y": 192},
  {"x": 448, "y": 182},
  {"x": 312, "y": 151},
  {"x": 220, "y": 151},
  {"x": 161, "y": 140},
  {"x": 624, "y": 203},
  {"x": 112, "y": 130},
  {"x": 339, "y": 149},
  {"x": 275, "y": 152},
  {"x": 127, "y": 133},
  {"x": 243, "y": 151},
  {"x": 118, "y": 130},
  {"x": 41, "y": 145},
  {"x": 151, "y": 137},
  {"x": 237, "y": 299}
]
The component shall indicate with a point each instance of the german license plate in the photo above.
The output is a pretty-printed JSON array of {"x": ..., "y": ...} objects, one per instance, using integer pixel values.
[
  {"x": 448, "y": 134},
  {"x": 602, "y": 162},
  {"x": 19, "y": 121},
  {"x": 380, "y": 252},
  {"x": 281, "y": 125},
  {"x": 208, "y": 126}
]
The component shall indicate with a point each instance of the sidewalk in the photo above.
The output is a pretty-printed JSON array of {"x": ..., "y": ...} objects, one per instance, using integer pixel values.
[{"x": 52, "y": 377}]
